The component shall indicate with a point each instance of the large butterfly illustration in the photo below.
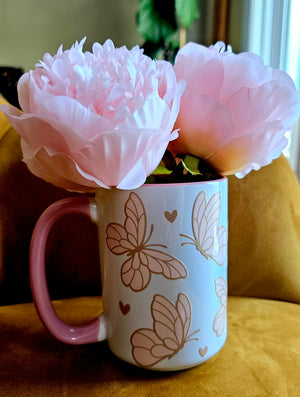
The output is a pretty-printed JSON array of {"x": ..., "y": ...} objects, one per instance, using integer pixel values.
[
  {"x": 171, "y": 325},
  {"x": 209, "y": 239},
  {"x": 221, "y": 316},
  {"x": 143, "y": 259}
]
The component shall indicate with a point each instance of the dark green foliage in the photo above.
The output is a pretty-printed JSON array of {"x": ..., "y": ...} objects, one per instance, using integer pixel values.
[
  {"x": 175, "y": 170},
  {"x": 158, "y": 23}
]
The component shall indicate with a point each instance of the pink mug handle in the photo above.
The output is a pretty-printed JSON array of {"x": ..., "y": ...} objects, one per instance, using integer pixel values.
[{"x": 93, "y": 331}]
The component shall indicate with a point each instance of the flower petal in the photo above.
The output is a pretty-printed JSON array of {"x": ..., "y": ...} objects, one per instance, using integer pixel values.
[
  {"x": 235, "y": 110},
  {"x": 250, "y": 151},
  {"x": 107, "y": 155},
  {"x": 71, "y": 113},
  {"x": 251, "y": 107},
  {"x": 243, "y": 70},
  {"x": 205, "y": 125},
  {"x": 212, "y": 76},
  {"x": 59, "y": 169},
  {"x": 24, "y": 93},
  {"x": 40, "y": 131},
  {"x": 97, "y": 119},
  {"x": 143, "y": 117}
]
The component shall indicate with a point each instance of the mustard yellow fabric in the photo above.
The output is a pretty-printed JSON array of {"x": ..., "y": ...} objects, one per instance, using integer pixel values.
[
  {"x": 264, "y": 233},
  {"x": 4, "y": 124},
  {"x": 261, "y": 357}
]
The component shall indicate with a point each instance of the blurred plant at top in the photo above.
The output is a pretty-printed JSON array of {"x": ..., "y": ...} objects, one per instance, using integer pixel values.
[{"x": 159, "y": 22}]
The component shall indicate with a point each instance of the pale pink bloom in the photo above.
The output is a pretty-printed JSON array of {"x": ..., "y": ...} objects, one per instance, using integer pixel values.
[
  {"x": 234, "y": 111},
  {"x": 96, "y": 119}
]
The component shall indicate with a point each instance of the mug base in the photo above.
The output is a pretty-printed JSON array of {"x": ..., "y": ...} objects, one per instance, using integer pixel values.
[{"x": 165, "y": 366}]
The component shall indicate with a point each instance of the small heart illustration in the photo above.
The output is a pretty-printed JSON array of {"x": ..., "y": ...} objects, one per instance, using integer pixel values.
[
  {"x": 171, "y": 216},
  {"x": 203, "y": 351},
  {"x": 124, "y": 308}
]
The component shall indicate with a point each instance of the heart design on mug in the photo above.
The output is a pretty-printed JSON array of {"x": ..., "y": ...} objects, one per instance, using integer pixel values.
[
  {"x": 202, "y": 351},
  {"x": 124, "y": 308},
  {"x": 171, "y": 216}
]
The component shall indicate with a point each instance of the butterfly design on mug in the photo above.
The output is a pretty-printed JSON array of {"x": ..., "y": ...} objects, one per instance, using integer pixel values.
[
  {"x": 143, "y": 260},
  {"x": 221, "y": 316},
  {"x": 209, "y": 239},
  {"x": 171, "y": 325}
]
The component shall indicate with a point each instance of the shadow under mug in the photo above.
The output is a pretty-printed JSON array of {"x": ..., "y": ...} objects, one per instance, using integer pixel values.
[{"x": 163, "y": 259}]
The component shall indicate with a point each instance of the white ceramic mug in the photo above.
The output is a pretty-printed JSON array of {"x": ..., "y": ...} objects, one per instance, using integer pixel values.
[{"x": 163, "y": 258}]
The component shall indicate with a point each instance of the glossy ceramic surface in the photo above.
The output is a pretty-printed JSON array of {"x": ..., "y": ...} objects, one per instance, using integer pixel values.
[{"x": 163, "y": 258}]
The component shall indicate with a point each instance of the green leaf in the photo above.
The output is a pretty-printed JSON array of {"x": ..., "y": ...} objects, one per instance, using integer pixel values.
[
  {"x": 167, "y": 164},
  {"x": 156, "y": 20},
  {"x": 187, "y": 12},
  {"x": 191, "y": 164},
  {"x": 182, "y": 169},
  {"x": 161, "y": 170}
]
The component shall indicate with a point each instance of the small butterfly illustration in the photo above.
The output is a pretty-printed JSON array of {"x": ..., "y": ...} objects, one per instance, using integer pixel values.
[
  {"x": 221, "y": 317},
  {"x": 171, "y": 325},
  {"x": 209, "y": 239},
  {"x": 143, "y": 259}
]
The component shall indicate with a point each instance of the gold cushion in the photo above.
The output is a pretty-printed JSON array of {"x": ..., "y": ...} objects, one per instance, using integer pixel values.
[
  {"x": 260, "y": 357},
  {"x": 264, "y": 233},
  {"x": 4, "y": 124}
]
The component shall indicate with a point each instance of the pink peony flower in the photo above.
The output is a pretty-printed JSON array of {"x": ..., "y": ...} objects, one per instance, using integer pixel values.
[
  {"x": 96, "y": 119},
  {"x": 235, "y": 110}
]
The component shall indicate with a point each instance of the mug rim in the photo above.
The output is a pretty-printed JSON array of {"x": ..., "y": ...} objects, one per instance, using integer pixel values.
[{"x": 221, "y": 179}]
